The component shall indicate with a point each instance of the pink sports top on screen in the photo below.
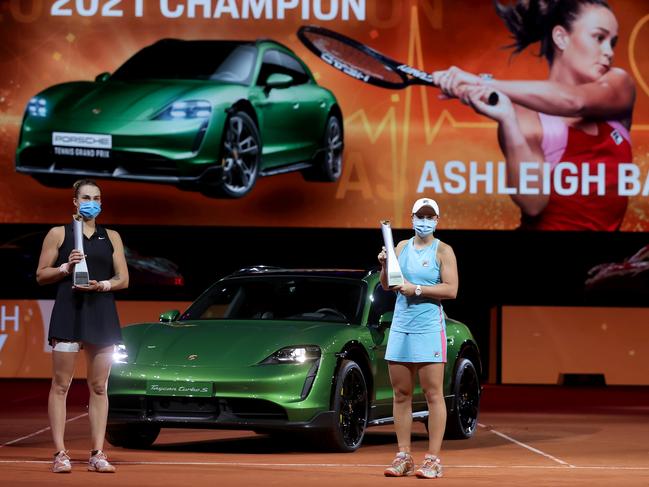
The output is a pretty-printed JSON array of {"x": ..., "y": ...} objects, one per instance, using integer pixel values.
[{"x": 561, "y": 143}]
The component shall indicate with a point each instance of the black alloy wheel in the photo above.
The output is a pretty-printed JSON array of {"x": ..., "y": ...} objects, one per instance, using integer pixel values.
[
  {"x": 328, "y": 165},
  {"x": 333, "y": 156},
  {"x": 463, "y": 420},
  {"x": 240, "y": 157},
  {"x": 350, "y": 405}
]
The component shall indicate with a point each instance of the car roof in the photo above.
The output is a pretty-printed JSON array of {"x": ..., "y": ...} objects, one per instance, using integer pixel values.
[
  {"x": 223, "y": 41},
  {"x": 280, "y": 271}
]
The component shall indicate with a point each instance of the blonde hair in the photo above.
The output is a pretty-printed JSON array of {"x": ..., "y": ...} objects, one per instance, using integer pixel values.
[{"x": 83, "y": 182}]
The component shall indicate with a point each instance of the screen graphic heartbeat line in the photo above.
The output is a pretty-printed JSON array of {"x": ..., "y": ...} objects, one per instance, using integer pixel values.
[{"x": 400, "y": 146}]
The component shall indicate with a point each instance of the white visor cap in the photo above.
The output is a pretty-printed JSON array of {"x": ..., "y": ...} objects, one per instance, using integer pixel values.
[{"x": 421, "y": 202}]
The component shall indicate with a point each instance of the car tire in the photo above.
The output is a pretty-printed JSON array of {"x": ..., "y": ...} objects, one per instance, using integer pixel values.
[
  {"x": 462, "y": 421},
  {"x": 350, "y": 405},
  {"x": 328, "y": 163},
  {"x": 240, "y": 158},
  {"x": 138, "y": 436}
]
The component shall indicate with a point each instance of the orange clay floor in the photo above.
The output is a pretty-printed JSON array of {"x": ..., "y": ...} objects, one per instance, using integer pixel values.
[{"x": 528, "y": 436}]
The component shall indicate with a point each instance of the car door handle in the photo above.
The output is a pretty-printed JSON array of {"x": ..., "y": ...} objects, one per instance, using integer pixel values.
[{"x": 296, "y": 106}]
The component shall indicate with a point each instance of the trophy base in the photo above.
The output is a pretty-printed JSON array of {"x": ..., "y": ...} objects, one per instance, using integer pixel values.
[
  {"x": 395, "y": 280},
  {"x": 80, "y": 279}
]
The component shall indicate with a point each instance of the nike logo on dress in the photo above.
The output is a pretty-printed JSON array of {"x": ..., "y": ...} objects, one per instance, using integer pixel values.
[{"x": 101, "y": 238}]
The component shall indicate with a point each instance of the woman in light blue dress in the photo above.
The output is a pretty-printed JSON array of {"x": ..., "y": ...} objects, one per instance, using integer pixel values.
[{"x": 417, "y": 341}]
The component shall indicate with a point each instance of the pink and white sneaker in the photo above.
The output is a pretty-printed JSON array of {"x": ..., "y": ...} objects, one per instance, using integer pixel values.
[
  {"x": 402, "y": 465},
  {"x": 99, "y": 463},
  {"x": 430, "y": 469},
  {"x": 61, "y": 462}
]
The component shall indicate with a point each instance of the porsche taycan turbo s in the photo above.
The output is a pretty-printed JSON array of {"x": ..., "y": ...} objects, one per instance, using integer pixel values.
[
  {"x": 207, "y": 115},
  {"x": 278, "y": 350}
]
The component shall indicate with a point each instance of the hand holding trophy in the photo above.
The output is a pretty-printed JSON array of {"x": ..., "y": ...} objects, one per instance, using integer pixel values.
[
  {"x": 395, "y": 277},
  {"x": 80, "y": 275}
]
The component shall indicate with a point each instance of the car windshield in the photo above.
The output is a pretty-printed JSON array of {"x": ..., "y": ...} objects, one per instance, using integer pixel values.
[
  {"x": 281, "y": 298},
  {"x": 203, "y": 60}
]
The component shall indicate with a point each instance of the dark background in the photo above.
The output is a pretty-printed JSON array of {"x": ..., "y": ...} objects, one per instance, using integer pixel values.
[{"x": 495, "y": 267}]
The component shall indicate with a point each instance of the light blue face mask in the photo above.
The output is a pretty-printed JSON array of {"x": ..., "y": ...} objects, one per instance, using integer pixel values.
[
  {"x": 423, "y": 226},
  {"x": 89, "y": 209}
]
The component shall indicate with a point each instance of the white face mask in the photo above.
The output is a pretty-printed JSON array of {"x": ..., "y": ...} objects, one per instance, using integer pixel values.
[{"x": 424, "y": 226}]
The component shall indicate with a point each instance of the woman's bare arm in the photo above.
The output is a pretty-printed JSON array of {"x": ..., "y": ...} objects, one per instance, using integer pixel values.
[
  {"x": 120, "y": 279},
  {"x": 519, "y": 136},
  {"x": 45, "y": 273},
  {"x": 610, "y": 97}
]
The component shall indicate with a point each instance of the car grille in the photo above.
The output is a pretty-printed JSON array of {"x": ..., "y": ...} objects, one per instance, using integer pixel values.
[
  {"x": 196, "y": 408},
  {"x": 132, "y": 162}
]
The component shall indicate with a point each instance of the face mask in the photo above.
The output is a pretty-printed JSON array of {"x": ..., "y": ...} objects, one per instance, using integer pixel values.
[
  {"x": 89, "y": 209},
  {"x": 423, "y": 226}
]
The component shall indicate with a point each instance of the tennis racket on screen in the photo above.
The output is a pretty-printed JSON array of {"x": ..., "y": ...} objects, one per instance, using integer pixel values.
[{"x": 364, "y": 63}]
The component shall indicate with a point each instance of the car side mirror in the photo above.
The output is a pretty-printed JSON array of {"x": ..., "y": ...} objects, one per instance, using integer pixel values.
[
  {"x": 101, "y": 78},
  {"x": 169, "y": 316},
  {"x": 279, "y": 80},
  {"x": 385, "y": 320}
]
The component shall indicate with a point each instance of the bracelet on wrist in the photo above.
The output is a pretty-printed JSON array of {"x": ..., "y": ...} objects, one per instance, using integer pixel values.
[
  {"x": 486, "y": 78},
  {"x": 105, "y": 286},
  {"x": 65, "y": 268}
]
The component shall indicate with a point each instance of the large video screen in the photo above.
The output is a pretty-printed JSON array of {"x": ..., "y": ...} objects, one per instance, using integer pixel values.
[{"x": 231, "y": 113}]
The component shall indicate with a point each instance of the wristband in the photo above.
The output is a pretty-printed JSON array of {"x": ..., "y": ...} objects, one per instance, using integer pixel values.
[
  {"x": 486, "y": 77},
  {"x": 65, "y": 268},
  {"x": 105, "y": 286}
]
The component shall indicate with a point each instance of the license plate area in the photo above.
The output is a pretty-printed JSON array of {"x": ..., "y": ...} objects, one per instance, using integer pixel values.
[
  {"x": 84, "y": 152},
  {"x": 198, "y": 408},
  {"x": 73, "y": 144}
]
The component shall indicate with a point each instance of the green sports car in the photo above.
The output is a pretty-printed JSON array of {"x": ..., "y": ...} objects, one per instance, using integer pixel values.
[
  {"x": 206, "y": 115},
  {"x": 277, "y": 350}
]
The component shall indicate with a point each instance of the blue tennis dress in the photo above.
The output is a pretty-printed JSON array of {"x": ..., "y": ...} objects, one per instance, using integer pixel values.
[{"x": 418, "y": 330}]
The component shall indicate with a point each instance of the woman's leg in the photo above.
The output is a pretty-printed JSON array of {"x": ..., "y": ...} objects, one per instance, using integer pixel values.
[
  {"x": 62, "y": 373},
  {"x": 99, "y": 361},
  {"x": 402, "y": 377},
  {"x": 431, "y": 378}
]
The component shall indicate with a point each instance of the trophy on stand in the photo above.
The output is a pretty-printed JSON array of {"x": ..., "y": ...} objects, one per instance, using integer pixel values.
[
  {"x": 395, "y": 277},
  {"x": 80, "y": 276}
]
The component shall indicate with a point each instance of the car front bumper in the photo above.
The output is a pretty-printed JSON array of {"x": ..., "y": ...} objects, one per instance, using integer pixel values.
[
  {"x": 256, "y": 397},
  {"x": 184, "y": 152},
  {"x": 215, "y": 413}
]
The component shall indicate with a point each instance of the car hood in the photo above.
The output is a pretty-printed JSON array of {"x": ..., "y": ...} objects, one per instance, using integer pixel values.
[
  {"x": 226, "y": 344},
  {"x": 127, "y": 100}
]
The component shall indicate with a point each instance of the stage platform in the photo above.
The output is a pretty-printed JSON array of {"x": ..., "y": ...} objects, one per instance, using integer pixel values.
[{"x": 528, "y": 435}]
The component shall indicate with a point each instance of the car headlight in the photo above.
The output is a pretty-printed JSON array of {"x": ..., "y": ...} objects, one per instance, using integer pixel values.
[
  {"x": 186, "y": 109},
  {"x": 294, "y": 355},
  {"x": 120, "y": 356},
  {"x": 37, "y": 107}
]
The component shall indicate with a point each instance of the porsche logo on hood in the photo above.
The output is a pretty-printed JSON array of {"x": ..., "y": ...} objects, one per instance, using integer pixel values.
[
  {"x": 193, "y": 356},
  {"x": 96, "y": 111}
]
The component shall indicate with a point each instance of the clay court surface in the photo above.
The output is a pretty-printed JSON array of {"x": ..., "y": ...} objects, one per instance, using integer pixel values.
[{"x": 528, "y": 436}]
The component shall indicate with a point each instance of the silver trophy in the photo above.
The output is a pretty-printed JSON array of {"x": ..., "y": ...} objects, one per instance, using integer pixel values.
[
  {"x": 395, "y": 277},
  {"x": 80, "y": 276}
]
